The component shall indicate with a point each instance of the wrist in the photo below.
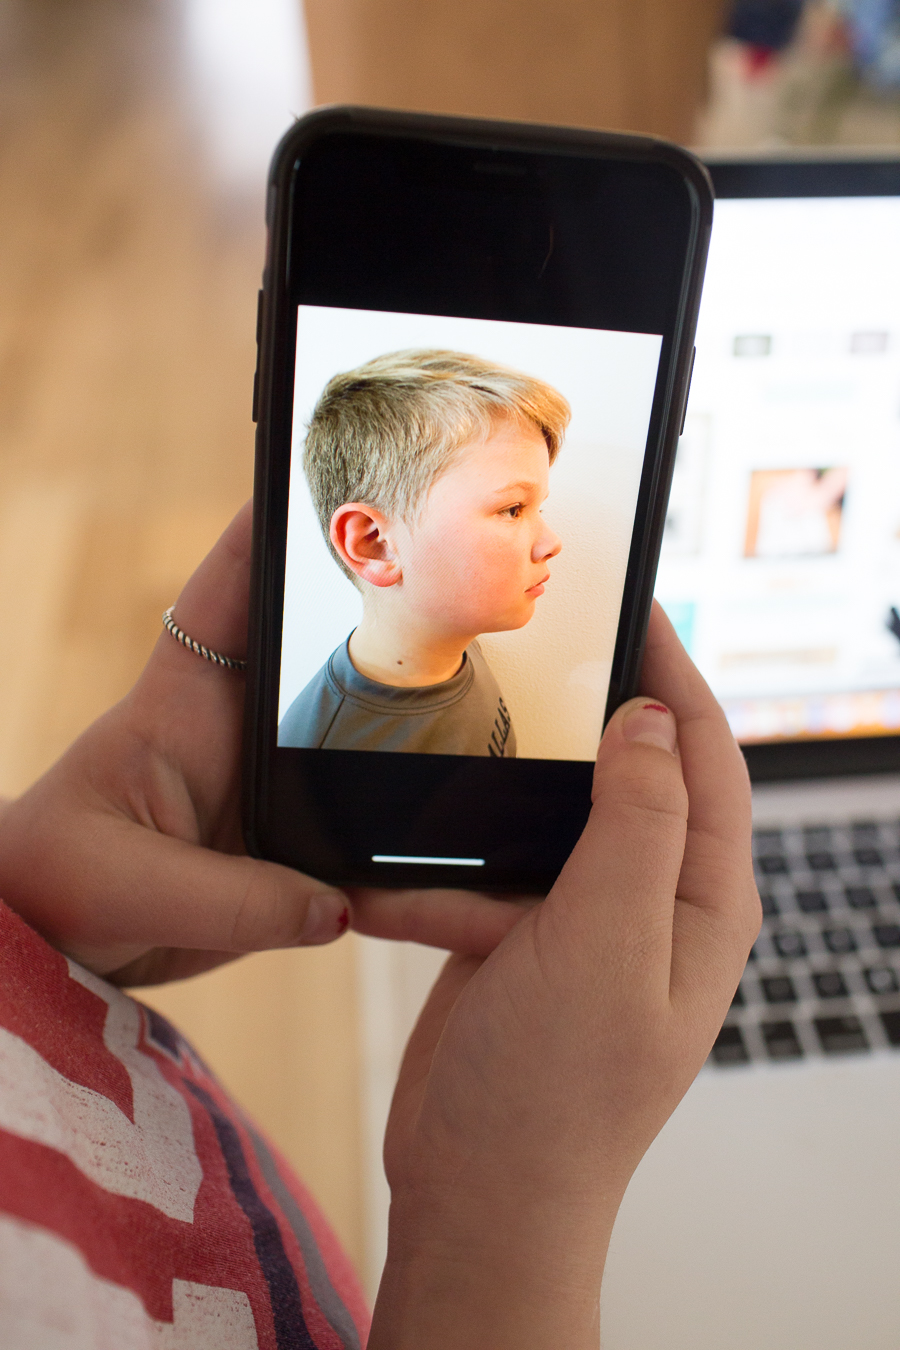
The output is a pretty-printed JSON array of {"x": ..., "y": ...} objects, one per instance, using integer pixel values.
[{"x": 500, "y": 1270}]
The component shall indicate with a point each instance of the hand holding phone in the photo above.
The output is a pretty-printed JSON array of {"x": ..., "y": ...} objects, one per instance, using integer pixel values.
[{"x": 536, "y": 1079}]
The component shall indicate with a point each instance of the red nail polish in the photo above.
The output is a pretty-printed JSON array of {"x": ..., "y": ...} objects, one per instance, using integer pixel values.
[{"x": 655, "y": 707}]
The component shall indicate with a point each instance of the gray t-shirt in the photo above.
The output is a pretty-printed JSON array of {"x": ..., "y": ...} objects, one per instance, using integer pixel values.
[{"x": 342, "y": 710}]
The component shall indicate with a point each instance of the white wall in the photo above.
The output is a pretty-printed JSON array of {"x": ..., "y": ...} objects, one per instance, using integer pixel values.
[{"x": 554, "y": 672}]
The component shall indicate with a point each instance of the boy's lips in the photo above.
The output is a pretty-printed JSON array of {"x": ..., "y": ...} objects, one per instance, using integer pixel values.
[{"x": 538, "y": 589}]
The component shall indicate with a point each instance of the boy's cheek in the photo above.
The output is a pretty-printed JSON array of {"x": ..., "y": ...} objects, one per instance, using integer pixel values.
[{"x": 473, "y": 582}]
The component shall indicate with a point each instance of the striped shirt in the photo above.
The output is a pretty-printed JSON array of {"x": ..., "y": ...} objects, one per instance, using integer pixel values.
[{"x": 139, "y": 1208}]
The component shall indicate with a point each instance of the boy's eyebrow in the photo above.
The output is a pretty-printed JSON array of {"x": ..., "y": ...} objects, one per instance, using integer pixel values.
[{"x": 521, "y": 486}]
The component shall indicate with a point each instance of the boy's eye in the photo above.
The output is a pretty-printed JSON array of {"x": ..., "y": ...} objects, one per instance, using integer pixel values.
[{"x": 513, "y": 511}]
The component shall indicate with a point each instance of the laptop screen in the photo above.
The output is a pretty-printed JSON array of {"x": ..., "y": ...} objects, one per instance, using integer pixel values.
[{"x": 781, "y": 557}]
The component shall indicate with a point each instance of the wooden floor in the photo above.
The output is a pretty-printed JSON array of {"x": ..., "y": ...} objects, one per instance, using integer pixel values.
[{"x": 128, "y": 280}]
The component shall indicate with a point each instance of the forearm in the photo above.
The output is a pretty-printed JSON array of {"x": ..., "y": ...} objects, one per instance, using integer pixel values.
[{"x": 504, "y": 1274}]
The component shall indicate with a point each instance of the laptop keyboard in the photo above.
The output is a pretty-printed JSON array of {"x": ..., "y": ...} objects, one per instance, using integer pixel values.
[{"x": 824, "y": 976}]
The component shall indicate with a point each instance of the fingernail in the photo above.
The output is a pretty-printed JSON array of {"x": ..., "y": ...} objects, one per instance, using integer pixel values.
[
  {"x": 327, "y": 918},
  {"x": 651, "y": 724}
]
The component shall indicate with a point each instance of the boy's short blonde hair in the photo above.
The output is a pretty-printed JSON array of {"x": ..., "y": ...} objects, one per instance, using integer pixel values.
[{"x": 383, "y": 433}]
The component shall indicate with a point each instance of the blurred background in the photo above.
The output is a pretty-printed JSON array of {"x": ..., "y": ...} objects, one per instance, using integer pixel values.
[{"x": 134, "y": 141}]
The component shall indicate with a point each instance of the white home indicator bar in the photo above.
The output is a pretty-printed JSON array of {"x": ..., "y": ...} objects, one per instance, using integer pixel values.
[{"x": 435, "y": 862}]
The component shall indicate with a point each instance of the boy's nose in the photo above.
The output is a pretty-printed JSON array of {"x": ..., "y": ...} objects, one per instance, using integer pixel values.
[{"x": 547, "y": 546}]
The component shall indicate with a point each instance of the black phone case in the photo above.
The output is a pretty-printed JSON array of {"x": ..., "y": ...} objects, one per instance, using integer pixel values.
[{"x": 317, "y": 810}]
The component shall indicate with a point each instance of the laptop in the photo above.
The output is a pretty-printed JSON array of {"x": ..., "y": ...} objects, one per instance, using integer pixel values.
[{"x": 766, "y": 1216}]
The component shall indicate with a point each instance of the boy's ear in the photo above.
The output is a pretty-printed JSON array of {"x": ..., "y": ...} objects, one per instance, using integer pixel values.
[{"x": 360, "y": 534}]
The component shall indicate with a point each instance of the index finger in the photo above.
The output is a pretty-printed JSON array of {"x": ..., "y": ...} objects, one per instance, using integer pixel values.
[{"x": 466, "y": 922}]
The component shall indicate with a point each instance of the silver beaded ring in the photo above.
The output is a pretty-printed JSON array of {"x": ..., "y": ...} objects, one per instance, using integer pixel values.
[{"x": 181, "y": 636}]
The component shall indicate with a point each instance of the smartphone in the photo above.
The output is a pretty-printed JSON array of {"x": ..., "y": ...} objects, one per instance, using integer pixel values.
[{"x": 475, "y": 347}]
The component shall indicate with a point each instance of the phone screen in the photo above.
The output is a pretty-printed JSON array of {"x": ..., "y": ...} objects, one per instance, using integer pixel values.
[
  {"x": 476, "y": 341},
  {"x": 488, "y": 622}
]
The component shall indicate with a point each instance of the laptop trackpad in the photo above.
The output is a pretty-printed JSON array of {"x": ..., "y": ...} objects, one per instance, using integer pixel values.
[{"x": 766, "y": 1216}]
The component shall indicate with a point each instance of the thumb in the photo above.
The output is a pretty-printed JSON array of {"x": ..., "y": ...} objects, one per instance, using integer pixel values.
[
  {"x": 622, "y": 875},
  {"x": 161, "y": 891},
  {"x": 227, "y": 902}
]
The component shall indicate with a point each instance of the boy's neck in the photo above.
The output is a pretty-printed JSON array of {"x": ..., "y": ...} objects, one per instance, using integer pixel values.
[{"x": 406, "y": 659}]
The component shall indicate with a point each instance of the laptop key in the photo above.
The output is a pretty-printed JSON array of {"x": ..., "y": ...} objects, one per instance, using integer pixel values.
[
  {"x": 896, "y": 889},
  {"x": 886, "y": 934},
  {"x": 769, "y": 905},
  {"x": 891, "y": 1023},
  {"x": 839, "y": 940},
  {"x": 773, "y": 865},
  {"x": 789, "y": 944},
  {"x": 868, "y": 857},
  {"x": 820, "y": 861},
  {"x": 860, "y": 897},
  {"x": 840, "y": 1035},
  {"x": 730, "y": 1048},
  {"x": 781, "y": 1040},
  {"x": 778, "y": 989},
  {"x": 811, "y": 902},
  {"x": 881, "y": 980},
  {"x": 739, "y": 997},
  {"x": 816, "y": 837},
  {"x": 830, "y": 984},
  {"x": 767, "y": 841}
]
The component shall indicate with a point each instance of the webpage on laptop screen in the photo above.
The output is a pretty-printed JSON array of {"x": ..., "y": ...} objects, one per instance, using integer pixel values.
[{"x": 781, "y": 556}]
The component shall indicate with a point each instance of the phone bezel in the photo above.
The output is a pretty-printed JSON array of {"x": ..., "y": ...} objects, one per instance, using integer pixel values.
[{"x": 278, "y": 789}]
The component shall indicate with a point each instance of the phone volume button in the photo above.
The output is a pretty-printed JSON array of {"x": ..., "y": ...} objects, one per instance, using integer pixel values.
[
  {"x": 687, "y": 392},
  {"x": 256, "y": 395}
]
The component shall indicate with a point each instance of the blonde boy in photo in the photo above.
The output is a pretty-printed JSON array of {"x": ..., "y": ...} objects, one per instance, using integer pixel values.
[{"x": 428, "y": 471}]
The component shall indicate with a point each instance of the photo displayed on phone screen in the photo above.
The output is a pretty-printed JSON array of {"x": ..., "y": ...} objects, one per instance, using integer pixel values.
[{"x": 462, "y": 502}]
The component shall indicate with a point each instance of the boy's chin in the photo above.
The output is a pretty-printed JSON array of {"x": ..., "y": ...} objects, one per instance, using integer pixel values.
[{"x": 510, "y": 623}]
